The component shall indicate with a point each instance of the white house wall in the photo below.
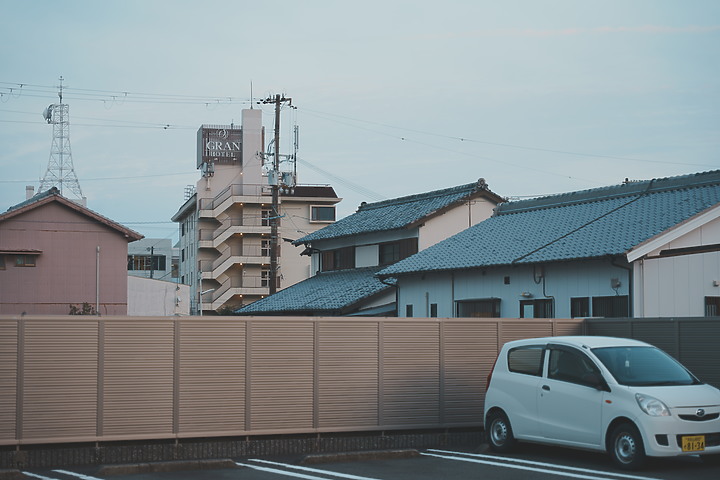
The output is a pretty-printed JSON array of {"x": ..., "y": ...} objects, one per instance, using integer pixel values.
[
  {"x": 562, "y": 281},
  {"x": 676, "y": 286},
  {"x": 150, "y": 297},
  {"x": 708, "y": 234},
  {"x": 453, "y": 221}
]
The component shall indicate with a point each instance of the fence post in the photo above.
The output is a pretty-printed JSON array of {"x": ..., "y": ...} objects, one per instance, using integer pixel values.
[
  {"x": 19, "y": 389},
  {"x": 100, "y": 411}
]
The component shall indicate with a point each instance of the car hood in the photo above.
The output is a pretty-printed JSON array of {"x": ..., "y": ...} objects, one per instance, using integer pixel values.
[{"x": 684, "y": 395}]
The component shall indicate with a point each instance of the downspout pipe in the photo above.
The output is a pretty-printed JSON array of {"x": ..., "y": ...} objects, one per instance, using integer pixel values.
[
  {"x": 394, "y": 285},
  {"x": 613, "y": 262}
]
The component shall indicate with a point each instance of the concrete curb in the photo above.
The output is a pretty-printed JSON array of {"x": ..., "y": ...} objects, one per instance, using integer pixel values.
[
  {"x": 359, "y": 456},
  {"x": 157, "y": 467},
  {"x": 11, "y": 475}
]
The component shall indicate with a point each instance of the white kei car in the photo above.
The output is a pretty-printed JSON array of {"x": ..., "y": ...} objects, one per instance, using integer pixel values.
[{"x": 599, "y": 393}]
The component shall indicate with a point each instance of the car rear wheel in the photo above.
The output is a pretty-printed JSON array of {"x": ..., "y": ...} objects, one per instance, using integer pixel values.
[
  {"x": 499, "y": 432},
  {"x": 626, "y": 447}
]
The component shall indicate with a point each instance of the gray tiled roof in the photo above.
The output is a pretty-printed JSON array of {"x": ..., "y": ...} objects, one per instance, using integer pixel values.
[
  {"x": 36, "y": 198},
  {"x": 585, "y": 224},
  {"x": 331, "y": 293},
  {"x": 396, "y": 213}
]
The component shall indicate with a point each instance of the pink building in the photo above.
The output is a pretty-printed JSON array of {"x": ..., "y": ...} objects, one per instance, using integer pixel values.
[{"x": 55, "y": 253}]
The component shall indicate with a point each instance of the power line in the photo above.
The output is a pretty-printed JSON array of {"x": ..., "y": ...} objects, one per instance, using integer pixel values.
[
  {"x": 347, "y": 183},
  {"x": 112, "y": 178},
  {"x": 319, "y": 114},
  {"x": 16, "y": 90}
]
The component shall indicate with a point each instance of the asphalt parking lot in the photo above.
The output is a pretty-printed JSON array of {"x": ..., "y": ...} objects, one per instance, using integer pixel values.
[{"x": 530, "y": 463}]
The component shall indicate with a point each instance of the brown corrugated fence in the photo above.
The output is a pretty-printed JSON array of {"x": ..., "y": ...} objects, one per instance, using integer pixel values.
[{"x": 100, "y": 379}]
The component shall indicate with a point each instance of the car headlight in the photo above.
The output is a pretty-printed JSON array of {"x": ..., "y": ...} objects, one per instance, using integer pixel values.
[{"x": 652, "y": 406}]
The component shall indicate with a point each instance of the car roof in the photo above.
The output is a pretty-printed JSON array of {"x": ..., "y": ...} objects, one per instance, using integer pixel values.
[{"x": 580, "y": 341}]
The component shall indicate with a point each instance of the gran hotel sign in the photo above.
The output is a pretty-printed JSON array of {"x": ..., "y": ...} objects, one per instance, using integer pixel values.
[{"x": 219, "y": 144}]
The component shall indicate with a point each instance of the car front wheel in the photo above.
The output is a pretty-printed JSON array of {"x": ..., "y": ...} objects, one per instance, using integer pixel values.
[
  {"x": 499, "y": 432},
  {"x": 626, "y": 447}
]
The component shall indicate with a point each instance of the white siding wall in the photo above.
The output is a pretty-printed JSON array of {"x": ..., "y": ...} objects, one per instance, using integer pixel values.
[
  {"x": 150, "y": 297},
  {"x": 676, "y": 286}
]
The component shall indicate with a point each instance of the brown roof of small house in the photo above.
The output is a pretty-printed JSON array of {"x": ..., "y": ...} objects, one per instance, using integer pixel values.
[{"x": 53, "y": 195}]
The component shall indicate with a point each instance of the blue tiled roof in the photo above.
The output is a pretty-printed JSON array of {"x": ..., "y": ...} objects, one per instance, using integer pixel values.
[
  {"x": 585, "y": 224},
  {"x": 396, "y": 213},
  {"x": 331, "y": 293}
]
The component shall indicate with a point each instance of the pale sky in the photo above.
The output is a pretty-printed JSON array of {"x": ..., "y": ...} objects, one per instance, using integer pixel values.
[{"x": 393, "y": 97}]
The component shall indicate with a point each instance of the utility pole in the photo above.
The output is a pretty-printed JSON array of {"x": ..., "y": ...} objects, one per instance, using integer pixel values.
[{"x": 278, "y": 100}]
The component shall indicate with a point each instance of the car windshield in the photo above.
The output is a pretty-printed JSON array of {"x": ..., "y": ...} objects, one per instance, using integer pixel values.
[{"x": 646, "y": 366}]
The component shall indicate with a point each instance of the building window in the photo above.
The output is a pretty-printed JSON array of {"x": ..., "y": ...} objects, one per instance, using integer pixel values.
[
  {"x": 612, "y": 306},
  {"x": 483, "y": 308},
  {"x": 340, "y": 259},
  {"x": 146, "y": 262},
  {"x": 322, "y": 214},
  {"x": 538, "y": 308},
  {"x": 267, "y": 215},
  {"x": 408, "y": 310},
  {"x": 392, "y": 252},
  {"x": 579, "y": 307},
  {"x": 265, "y": 248},
  {"x": 433, "y": 310},
  {"x": 265, "y": 278},
  {"x": 25, "y": 260},
  {"x": 712, "y": 306}
]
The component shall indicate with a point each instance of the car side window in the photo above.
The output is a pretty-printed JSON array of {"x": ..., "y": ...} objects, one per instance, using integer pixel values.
[
  {"x": 574, "y": 367},
  {"x": 526, "y": 359}
]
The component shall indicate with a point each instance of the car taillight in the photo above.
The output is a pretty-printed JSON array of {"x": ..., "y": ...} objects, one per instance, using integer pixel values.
[{"x": 490, "y": 374}]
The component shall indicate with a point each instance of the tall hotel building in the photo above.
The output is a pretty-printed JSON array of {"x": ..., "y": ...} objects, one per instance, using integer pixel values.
[{"x": 225, "y": 221}]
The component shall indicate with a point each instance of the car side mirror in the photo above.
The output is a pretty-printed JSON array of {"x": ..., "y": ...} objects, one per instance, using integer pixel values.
[{"x": 597, "y": 381}]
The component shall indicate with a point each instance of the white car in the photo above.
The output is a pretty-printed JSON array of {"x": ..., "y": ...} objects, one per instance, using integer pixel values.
[{"x": 599, "y": 393}]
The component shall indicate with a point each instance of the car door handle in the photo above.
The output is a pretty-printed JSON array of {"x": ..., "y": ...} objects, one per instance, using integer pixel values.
[{"x": 546, "y": 387}]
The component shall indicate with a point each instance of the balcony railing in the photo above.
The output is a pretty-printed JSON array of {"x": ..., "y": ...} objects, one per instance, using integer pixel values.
[
  {"x": 253, "y": 281},
  {"x": 209, "y": 234},
  {"x": 233, "y": 191},
  {"x": 249, "y": 251}
]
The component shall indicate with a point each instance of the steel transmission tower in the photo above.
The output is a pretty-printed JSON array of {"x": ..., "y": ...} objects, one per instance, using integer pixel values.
[{"x": 60, "y": 172}]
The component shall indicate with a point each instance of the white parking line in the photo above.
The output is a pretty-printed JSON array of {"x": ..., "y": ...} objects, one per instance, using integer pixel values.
[
  {"x": 287, "y": 473},
  {"x": 541, "y": 464},
  {"x": 35, "y": 475},
  {"x": 608, "y": 475},
  {"x": 314, "y": 470},
  {"x": 78, "y": 475}
]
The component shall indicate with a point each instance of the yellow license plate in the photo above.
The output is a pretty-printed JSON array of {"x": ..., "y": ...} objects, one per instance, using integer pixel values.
[{"x": 695, "y": 443}]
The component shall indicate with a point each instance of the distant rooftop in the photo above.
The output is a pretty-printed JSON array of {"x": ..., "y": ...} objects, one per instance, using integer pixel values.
[
  {"x": 320, "y": 191},
  {"x": 327, "y": 293},
  {"x": 398, "y": 213},
  {"x": 601, "y": 222},
  {"x": 53, "y": 195}
]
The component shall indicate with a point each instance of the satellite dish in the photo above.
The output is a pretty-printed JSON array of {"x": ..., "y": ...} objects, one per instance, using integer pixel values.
[{"x": 47, "y": 113}]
